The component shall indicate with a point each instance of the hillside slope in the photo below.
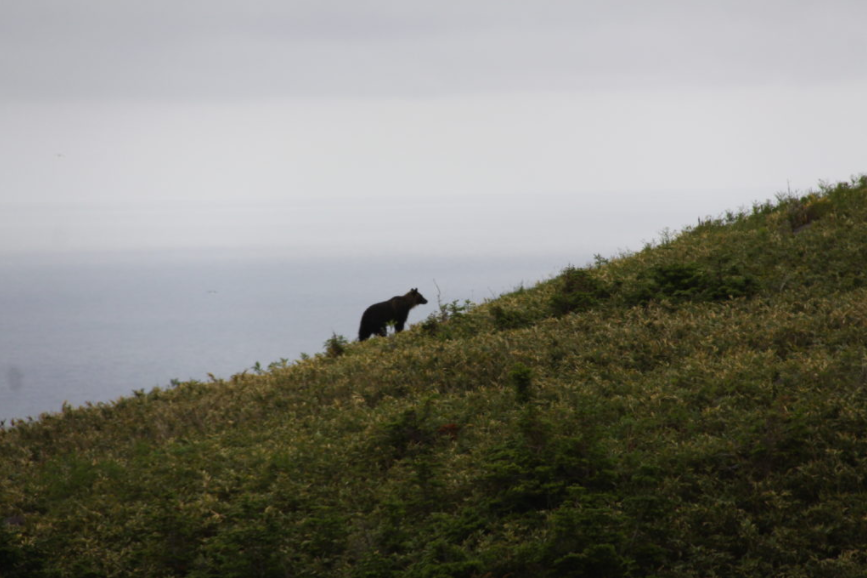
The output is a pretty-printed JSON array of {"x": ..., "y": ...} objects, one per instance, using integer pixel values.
[{"x": 695, "y": 409}]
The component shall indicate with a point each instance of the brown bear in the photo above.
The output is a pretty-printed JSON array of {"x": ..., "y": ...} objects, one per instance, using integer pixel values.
[{"x": 379, "y": 315}]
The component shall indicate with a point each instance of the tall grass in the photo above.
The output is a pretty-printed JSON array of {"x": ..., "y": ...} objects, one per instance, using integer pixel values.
[{"x": 697, "y": 408}]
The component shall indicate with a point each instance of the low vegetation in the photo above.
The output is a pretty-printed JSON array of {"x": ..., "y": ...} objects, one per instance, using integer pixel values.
[{"x": 695, "y": 409}]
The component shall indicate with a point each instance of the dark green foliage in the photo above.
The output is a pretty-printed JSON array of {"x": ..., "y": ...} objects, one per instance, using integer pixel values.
[
  {"x": 801, "y": 213},
  {"x": 540, "y": 471},
  {"x": 679, "y": 282},
  {"x": 562, "y": 485},
  {"x": 521, "y": 378},
  {"x": 585, "y": 541},
  {"x": 577, "y": 290},
  {"x": 431, "y": 324},
  {"x": 18, "y": 559},
  {"x": 335, "y": 346},
  {"x": 409, "y": 434},
  {"x": 446, "y": 323},
  {"x": 505, "y": 319}
]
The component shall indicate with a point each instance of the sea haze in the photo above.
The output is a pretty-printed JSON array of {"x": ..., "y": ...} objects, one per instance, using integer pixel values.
[{"x": 92, "y": 328}]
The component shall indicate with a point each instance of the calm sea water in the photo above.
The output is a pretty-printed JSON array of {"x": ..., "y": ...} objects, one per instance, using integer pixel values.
[{"x": 81, "y": 328}]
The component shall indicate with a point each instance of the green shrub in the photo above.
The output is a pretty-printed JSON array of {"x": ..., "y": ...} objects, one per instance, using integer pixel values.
[
  {"x": 335, "y": 346},
  {"x": 505, "y": 319},
  {"x": 18, "y": 559},
  {"x": 680, "y": 282},
  {"x": 577, "y": 290},
  {"x": 442, "y": 322},
  {"x": 521, "y": 378}
]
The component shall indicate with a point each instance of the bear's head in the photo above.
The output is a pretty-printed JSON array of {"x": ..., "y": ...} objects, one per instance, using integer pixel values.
[{"x": 417, "y": 298}]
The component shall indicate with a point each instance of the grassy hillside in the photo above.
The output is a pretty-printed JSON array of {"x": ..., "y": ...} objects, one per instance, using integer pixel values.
[{"x": 695, "y": 409}]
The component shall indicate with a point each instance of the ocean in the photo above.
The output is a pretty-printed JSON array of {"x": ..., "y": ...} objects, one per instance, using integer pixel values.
[{"x": 77, "y": 328}]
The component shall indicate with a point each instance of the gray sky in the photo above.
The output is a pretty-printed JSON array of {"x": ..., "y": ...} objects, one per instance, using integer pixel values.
[{"x": 358, "y": 127}]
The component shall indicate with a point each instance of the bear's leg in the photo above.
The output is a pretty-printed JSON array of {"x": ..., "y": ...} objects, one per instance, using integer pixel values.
[
  {"x": 364, "y": 330},
  {"x": 400, "y": 321}
]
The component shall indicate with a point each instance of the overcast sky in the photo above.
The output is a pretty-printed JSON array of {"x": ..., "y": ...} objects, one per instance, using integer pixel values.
[{"x": 359, "y": 126}]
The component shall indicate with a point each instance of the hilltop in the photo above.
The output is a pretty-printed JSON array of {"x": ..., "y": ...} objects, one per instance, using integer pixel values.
[{"x": 697, "y": 408}]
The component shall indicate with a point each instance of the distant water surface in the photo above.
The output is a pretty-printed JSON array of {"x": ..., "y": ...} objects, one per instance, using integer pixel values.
[{"x": 79, "y": 328}]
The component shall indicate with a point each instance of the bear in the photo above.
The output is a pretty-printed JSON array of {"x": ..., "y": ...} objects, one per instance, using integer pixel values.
[{"x": 377, "y": 316}]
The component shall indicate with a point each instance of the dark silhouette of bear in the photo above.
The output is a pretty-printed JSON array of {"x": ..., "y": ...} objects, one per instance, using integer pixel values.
[{"x": 379, "y": 315}]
